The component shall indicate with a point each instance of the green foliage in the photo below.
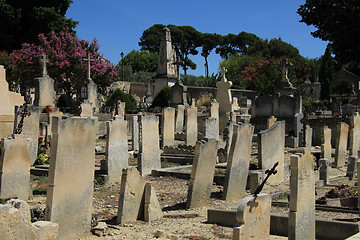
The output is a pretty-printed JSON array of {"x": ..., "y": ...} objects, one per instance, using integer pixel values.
[
  {"x": 162, "y": 99},
  {"x": 65, "y": 101},
  {"x": 327, "y": 73},
  {"x": 130, "y": 103},
  {"x": 335, "y": 22},
  {"x": 140, "y": 61},
  {"x": 42, "y": 157},
  {"x": 98, "y": 181},
  {"x": 22, "y": 21},
  {"x": 283, "y": 196}
]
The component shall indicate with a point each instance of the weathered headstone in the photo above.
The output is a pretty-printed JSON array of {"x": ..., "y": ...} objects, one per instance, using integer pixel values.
[
  {"x": 71, "y": 175},
  {"x": 308, "y": 136},
  {"x": 152, "y": 208},
  {"x": 214, "y": 113},
  {"x": 131, "y": 201},
  {"x": 351, "y": 167},
  {"x": 302, "y": 201},
  {"x": 135, "y": 134},
  {"x": 202, "y": 173},
  {"x": 341, "y": 144},
  {"x": 237, "y": 168},
  {"x": 149, "y": 148},
  {"x": 270, "y": 121},
  {"x": 253, "y": 218},
  {"x": 223, "y": 94},
  {"x": 86, "y": 109},
  {"x": 324, "y": 170},
  {"x": 326, "y": 143},
  {"x": 15, "y": 165},
  {"x": 168, "y": 126},
  {"x": 271, "y": 149},
  {"x": 116, "y": 148},
  {"x": 44, "y": 92},
  {"x": 354, "y": 143},
  {"x": 120, "y": 111},
  {"x": 191, "y": 127},
  {"x": 179, "y": 124},
  {"x": 211, "y": 128}
]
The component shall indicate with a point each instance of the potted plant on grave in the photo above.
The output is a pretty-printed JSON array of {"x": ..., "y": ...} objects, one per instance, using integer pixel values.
[{"x": 348, "y": 196}]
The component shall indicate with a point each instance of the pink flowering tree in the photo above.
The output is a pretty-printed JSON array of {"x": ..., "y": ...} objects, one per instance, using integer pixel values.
[{"x": 66, "y": 66}]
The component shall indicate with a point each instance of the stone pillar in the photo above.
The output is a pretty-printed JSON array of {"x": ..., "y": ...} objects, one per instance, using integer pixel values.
[
  {"x": 168, "y": 126},
  {"x": 253, "y": 218},
  {"x": 71, "y": 175},
  {"x": 135, "y": 134},
  {"x": 149, "y": 148},
  {"x": 341, "y": 144},
  {"x": 237, "y": 168},
  {"x": 354, "y": 143},
  {"x": 323, "y": 170},
  {"x": 308, "y": 136},
  {"x": 92, "y": 93},
  {"x": 15, "y": 168},
  {"x": 191, "y": 127},
  {"x": 302, "y": 201},
  {"x": 117, "y": 157},
  {"x": 202, "y": 174},
  {"x": 179, "y": 124},
  {"x": 214, "y": 113}
]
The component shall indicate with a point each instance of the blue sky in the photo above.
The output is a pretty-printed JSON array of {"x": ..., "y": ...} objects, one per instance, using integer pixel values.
[{"x": 118, "y": 25}]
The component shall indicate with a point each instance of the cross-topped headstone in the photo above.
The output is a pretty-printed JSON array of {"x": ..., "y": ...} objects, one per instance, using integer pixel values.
[
  {"x": 223, "y": 71},
  {"x": 43, "y": 62},
  {"x": 178, "y": 64},
  {"x": 285, "y": 70},
  {"x": 88, "y": 60}
]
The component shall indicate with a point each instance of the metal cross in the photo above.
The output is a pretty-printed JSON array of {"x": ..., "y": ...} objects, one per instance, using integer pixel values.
[
  {"x": 88, "y": 60},
  {"x": 43, "y": 62},
  {"x": 268, "y": 173}
]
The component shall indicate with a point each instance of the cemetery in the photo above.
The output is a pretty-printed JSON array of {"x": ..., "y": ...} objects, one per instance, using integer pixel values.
[{"x": 211, "y": 163}]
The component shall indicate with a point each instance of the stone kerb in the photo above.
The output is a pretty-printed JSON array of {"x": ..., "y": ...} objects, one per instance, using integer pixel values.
[
  {"x": 238, "y": 162},
  {"x": 168, "y": 126},
  {"x": 202, "y": 173},
  {"x": 71, "y": 175},
  {"x": 253, "y": 218},
  {"x": 15, "y": 165},
  {"x": 116, "y": 148},
  {"x": 271, "y": 149},
  {"x": 354, "y": 143},
  {"x": 326, "y": 143},
  {"x": 149, "y": 148},
  {"x": 341, "y": 144},
  {"x": 191, "y": 127},
  {"x": 179, "y": 124},
  {"x": 302, "y": 192}
]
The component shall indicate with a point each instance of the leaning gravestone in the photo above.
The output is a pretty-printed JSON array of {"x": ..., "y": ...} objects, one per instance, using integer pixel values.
[
  {"x": 271, "y": 149},
  {"x": 149, "y": 149},
  {"x": 191, "y": 127},
  {"x": 253, "y": 218},
  {"x": 152, "y": 208},
  {"x": 168, "y": 126},
  {"x": 15, "y": 168},
  {"x": 302, "y": 201},
  {"x": 354, "y": 134},
  {"x": 116, "y": 148},
  {"x": 237, "y": 168},
  {"x": 341, "y": 144},
  {"x": 214, "y": 113},
  {"x": 135, "y": 134},
  {"x": 179, "y": 124},
  {"x": 202, "y": 173},
  {"x": 71, "y": 175}
]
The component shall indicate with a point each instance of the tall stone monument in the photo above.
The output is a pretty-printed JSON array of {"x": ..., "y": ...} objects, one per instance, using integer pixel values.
[
  {"x": 167, "y": 71},
  {"x": 224, "y": 98},
  {"x": 285, "y": 87}
]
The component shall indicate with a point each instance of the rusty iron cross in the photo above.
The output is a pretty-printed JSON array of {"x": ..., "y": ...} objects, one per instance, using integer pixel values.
[{"x": 268, "y": 173}]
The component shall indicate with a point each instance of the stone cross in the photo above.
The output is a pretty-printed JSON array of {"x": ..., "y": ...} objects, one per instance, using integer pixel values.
[
  {"x": 285, "y": 70},
  {"x": 178, "y": 64},
  {"x": 223, "y": 71},
  {"x": 43, "y": 62},
  {"x": 88, "y": 60}
]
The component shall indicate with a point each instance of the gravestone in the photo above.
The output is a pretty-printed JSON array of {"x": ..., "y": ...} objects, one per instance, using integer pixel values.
[
  {"x": 168, "y": 126},
  {"x": 135, "y": 133},
  {"x": 202, "y": 174},
  {"x": 341, "y": 144},
  {"x": 308, "y": 136},
  {"x": 326, "y": 143},
  {"x": 223, "y": 94},
  {"x": 8, "y": 101},
  {"x": 351, "y": 167},
  {"x": 237, "y": 168},
  {"x": 116, "y": 158},
  {"x": 120, "y": 109},
  {"x": 191, "y": 127},
  {"x": 214, "y": 113},
  {"x": 71, "y": 175},
  {"x": 131, "y": 201},
  {"x": 149, "y": 148},
  {"x": 324, "y": 170},
  {"x": 211, "y": 127},
  {"x": 15, "y": 165},
  {"x": 354, "y": 143},
  {"x": 271, "y": 147},
  {"x": 86, "y": 109},
  {"x": 45, "y": 94},
  {"x": 179, "y": 124},
  {"x": 152, "y": 208},
  {"x": 270, "y": 121},
  {"x": 253, "y": 218},
  {"x": 302, "y": 192},
  {"x": 92, "y": 94},
  {"x": 30, "y": 128}
]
